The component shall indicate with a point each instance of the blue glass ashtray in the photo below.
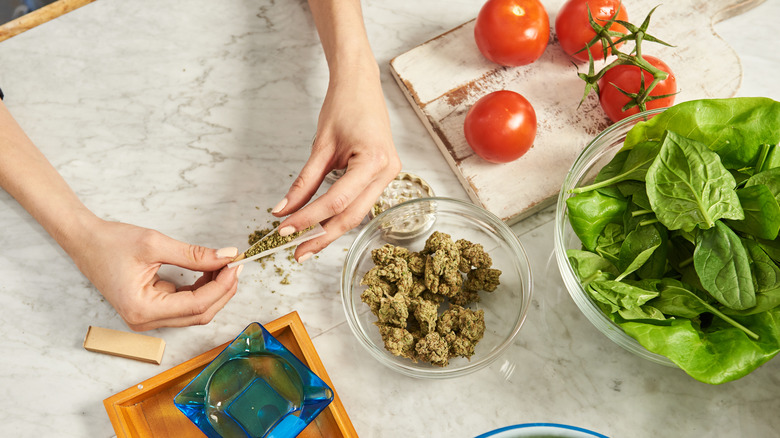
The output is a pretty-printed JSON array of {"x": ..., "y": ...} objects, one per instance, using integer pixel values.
[{"x": 254, "y": 388}]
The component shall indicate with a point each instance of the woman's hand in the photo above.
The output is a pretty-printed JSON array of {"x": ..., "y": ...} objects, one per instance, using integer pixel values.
[
  {"x": 122, "y": 261},
  {"x": 353, "y": 133}
]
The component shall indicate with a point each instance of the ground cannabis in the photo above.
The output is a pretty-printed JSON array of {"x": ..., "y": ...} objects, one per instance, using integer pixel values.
[
  {"x": 407, "y": 290},
  {"x": 272, "y": 241},
  {"x": 277, "y": 240}
]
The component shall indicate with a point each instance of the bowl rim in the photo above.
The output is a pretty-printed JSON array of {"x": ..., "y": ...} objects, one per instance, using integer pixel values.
[
  {"x": 408, "y": 367},
  {"x": 578, "y": 294},
  {"x": 526, "y": 429}
]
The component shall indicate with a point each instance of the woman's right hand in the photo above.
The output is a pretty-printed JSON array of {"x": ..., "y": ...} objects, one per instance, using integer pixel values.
[{"x": 122, "y": 262}]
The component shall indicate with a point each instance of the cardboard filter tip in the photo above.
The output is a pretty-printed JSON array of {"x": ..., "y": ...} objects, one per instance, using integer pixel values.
[{"x": 124, "y": 344}]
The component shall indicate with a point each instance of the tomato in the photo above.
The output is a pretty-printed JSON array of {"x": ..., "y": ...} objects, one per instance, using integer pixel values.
[
  {"x": 501, "y": 126},
  {"x": 628, "y": 78},
  {"x": 512, "y": 32},
  {"x": 574, "y": 30}
]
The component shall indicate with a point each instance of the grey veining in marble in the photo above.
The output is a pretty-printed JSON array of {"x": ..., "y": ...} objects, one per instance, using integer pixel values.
[{"x": 193, "y": 117}]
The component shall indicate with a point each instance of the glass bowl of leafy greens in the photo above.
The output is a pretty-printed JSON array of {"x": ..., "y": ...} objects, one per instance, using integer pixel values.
[{"x": 666, "y": 235}]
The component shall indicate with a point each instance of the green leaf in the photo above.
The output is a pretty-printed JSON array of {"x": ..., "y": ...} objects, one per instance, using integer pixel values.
[
  {"x": 624, "y": 299},
  {"x": 766, "y": 300},
  {"x": 772, "y": 248},
  {"x": 609, "y": 242},
  {"x": 590, "y": 267},
  {"x": 770, "y": 178},
  {"x": 723, "y": 267},
  {"x": 768, "y": 158},
  {"x": 643, "y": 251},
  {"x": 590, "y": 212},
  {"x": 641, "y": 200},
  {"x": 688, "y": 187},
  {"x": 765, "y": 271},
  {"x": 762, "y": 212},
  {"x": 721, "y": 353},
  {"x": 627, "y": 165},
  {"x": 735, "y": 128},
  {"x": 678, "y": 300}
]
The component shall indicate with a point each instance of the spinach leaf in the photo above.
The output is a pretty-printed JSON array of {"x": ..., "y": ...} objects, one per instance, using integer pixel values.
[
  {"x": 768, "y": 158},
  {"x": 633, "y": 166},
  {"x": 772, "y": 248},
  {"x": 676, "y": 299},
  {"x": 590, "y": 267},
  {"x": 638, "y": 261},
  {"x": 636, "y": 215},
  {"x": 641, "y": 200},
  {"x": 606, "y": 173},
  {"x": 735, "y": 128},
  {"x": 770, "y": 178},
  {"x": 762, "y": 212},
  {"x": 766, "y": 300},
  {"x": 590, "y": 212},
  {"x": 719, "y": 354},
  {"x": 723, "y": 267},
  {"x": 688, "y": 186},
  {"x": 624, "y": 299},
  {"x": 765, "y": 272},
  {"x": 643, "y": 251},
  {"x": 609, "y": 243}
]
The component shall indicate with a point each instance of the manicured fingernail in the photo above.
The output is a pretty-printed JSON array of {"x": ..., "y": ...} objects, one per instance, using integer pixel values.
[
  {"x": 279, "y": 206},
  {"x": 286, "y": 231},
  {"x": 230, "y": 251},
  {"x": 304, "y": 257},
  {"x": 238, "y": 270}
]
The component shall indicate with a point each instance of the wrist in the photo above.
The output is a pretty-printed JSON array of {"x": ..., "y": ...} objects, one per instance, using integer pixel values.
[
  {"x": 354, "y": 66},
  {"x": 73, "y": 229}
]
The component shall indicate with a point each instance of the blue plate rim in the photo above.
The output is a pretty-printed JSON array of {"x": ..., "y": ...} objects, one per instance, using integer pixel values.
[{"x": 527, "y": 425}]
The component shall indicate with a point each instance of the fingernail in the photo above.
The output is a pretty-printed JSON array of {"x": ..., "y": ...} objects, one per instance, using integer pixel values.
[
  {"x": 239, "y": 269},
  {"x": 304, "y": 257},
  {"x": 286, "y": 231},
  {"x": 279, "y": 206},
  {"x": 230, "y": 251}
]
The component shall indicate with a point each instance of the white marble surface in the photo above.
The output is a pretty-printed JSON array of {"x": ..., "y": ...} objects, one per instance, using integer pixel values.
[{"x": 193, "y": 117}]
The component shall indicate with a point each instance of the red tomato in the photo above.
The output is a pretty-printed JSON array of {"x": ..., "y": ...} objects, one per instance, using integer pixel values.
[
  {"x": 512, "y": 32},
  {"x": 574, "y": 30},
  {"x": 628, "y": 78},
  {"x": 500, "y": 127}
]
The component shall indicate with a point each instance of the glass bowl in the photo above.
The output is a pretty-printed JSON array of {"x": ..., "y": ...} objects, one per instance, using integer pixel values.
[
  {"x": 409, "y": 225},
  {"x": 590, "y": 161}
]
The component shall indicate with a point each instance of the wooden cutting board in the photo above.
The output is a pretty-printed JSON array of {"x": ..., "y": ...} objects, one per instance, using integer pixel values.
[{"x": 443, "y": 77}]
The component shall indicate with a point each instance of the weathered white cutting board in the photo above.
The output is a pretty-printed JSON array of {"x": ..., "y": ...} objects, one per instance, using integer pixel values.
[{"x": 443, "y": 77}]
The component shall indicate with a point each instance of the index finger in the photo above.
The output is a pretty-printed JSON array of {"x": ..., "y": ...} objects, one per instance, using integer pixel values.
[{"x": 359, "y": 182}]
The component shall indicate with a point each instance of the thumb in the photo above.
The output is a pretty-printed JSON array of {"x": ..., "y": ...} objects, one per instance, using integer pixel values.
[{"x": 170, "y": 251}]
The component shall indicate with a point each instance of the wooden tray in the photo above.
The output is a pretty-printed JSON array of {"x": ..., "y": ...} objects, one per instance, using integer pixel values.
[
  {"x": 147, "y": 409},
  {"x": 443, "y": 77}
]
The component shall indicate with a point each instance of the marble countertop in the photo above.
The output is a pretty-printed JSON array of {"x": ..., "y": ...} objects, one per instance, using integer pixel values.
[{"x": 193, "y": 117}]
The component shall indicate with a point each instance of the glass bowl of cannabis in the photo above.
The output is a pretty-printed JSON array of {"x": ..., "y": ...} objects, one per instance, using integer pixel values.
[
  {"x": 666, "y": 235},
  {"x": 436, "y": 287}
]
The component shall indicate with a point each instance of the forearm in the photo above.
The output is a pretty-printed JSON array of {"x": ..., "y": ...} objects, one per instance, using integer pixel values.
[
  {"x": 27, "y": 175},
  {"x": 343, "y": 37}
]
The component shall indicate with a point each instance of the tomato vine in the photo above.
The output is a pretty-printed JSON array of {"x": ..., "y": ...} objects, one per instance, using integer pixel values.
[{"x": 637, "y": 34}]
